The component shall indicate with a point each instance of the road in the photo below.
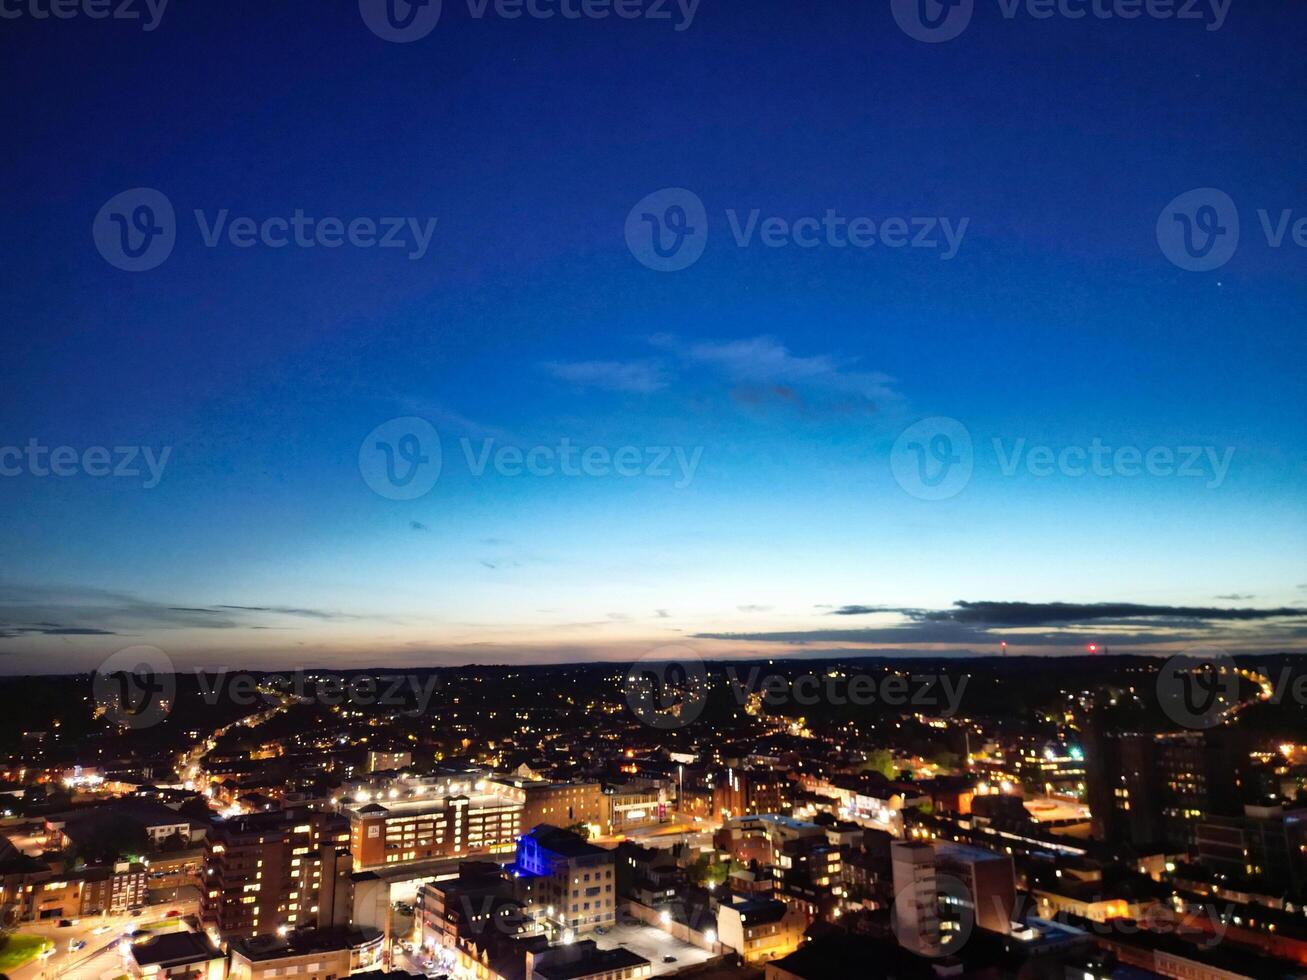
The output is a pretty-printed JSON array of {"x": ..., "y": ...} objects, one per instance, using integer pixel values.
[{"x": 100, "y": 959}]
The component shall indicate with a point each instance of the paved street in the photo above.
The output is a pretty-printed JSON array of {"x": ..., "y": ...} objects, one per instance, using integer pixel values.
[{"x": 99, "y": 959}]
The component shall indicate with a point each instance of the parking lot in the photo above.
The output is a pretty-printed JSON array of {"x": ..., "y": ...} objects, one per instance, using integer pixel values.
[{"x": 653, "y": 944}]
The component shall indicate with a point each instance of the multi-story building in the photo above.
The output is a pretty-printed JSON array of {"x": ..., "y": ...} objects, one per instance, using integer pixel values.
[
  {"x": 388, "y": 761},
  {"x": 635, "y": 805},
  {"x": 267, "y": 871},
  {"x": 1265, "y": 846},
  {"x": 561, "y": 804},
  {"x": 480, "y": 902},
  {"x": 760, "y": 929},
  {"x": 810, "y": 872},
  {"x": 456, "y": 815},
  {"x": 567, "y": 884},
  {"x": 741, "y": 792},
  {"x": 88, "y": 891},
  {"x": 1149, "y": 788},
  {"x": 942, "y": 889},
  {"x": 309, "y": 954}
]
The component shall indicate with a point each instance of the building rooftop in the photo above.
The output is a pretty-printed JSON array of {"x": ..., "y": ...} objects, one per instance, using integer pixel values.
[
  {"x": 563, "y": 842},
  {"x": 174, "y": 949},
  {"x": 303, "y": 942},
  {"x": 583, "y": 959}
]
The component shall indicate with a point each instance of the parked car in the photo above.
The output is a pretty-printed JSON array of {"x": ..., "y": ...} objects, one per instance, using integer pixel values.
[
  {"x": 76, "y": 944},
  {"x": 65, "y": 923},
  {"x": 174, "y": 914},
  {"x": 47, "y": 952},
  {"x": 669, "y": 959}
]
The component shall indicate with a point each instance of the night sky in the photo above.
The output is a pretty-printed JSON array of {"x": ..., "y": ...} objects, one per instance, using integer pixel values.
[{"x": 769, "y": 505}]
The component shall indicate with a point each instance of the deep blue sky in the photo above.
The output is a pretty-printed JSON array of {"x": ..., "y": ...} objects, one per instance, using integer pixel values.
[{"x": 528, "y": 320}]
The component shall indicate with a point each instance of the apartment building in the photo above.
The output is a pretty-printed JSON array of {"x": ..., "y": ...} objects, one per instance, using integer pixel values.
[
  {"x": 567, "y": 884},
  {"x": 267, "y": 871},
  {"x": 87, "y": 891}
]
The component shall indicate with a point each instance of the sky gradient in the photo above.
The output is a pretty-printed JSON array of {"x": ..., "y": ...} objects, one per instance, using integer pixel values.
[{"x": 786, "y": 373}]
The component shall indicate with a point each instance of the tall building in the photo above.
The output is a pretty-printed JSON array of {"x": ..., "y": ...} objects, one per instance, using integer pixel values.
[
  {"x": 942, "y": 890},
  {"x": 742, "y": 792},
  {"x": 1156, "y": 788},
  {"x": 567, "y": 884},
  {"x": 267, "y": 871}
]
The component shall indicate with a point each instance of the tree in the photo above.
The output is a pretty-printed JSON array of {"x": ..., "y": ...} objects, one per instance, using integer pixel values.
[
  {"x": 881, "y": 761},
  {"x": 580, "y": 829}
]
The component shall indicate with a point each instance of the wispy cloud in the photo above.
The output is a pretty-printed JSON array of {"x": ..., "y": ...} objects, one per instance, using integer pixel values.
[
  {"x": 765, "y": 362},
  {"x": 639, "y": 377},
  {"x": 30, "y": 610}
]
